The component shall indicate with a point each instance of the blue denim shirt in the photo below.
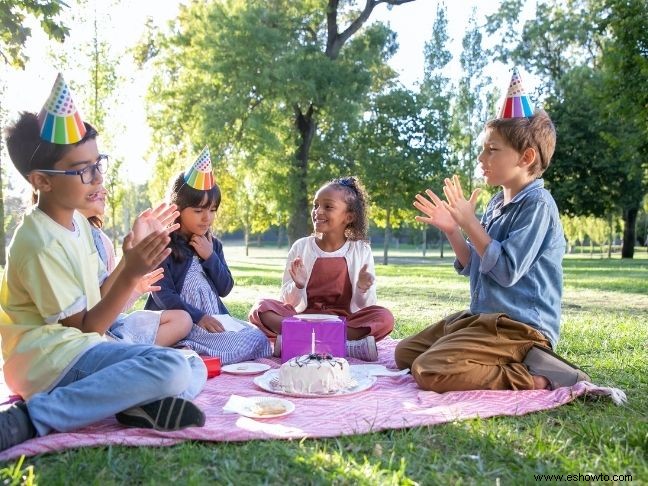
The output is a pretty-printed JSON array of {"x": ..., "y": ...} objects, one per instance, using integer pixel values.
[{"x": 520, "y": 273}]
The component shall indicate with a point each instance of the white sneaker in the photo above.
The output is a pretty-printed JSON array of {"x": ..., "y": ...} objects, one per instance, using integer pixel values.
[{"x": 364, "y": 349}]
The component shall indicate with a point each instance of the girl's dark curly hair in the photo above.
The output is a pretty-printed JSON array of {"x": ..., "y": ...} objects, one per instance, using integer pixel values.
[{"x": 357, "y": 201}]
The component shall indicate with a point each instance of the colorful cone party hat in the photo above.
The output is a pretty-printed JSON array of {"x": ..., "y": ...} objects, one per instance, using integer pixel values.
[
  {"x": 517, "y": 103},
  {"x": 59, "y": 119},
  {"x": 199, "y": 175}
]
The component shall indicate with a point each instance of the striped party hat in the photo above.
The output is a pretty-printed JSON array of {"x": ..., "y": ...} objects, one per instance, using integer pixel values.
[
  {"x": 199, "y": 175},
  {"x": 517, "y": 103},
  {"x": 59, "y": 120}
]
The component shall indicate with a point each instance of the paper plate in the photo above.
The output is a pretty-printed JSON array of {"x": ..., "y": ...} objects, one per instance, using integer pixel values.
[
  {"x": 317, "y": 317},
  {"x": 246, "y": 368},
  {"x": 269, "y": 381},
  {"x": 266, "y": 407}
]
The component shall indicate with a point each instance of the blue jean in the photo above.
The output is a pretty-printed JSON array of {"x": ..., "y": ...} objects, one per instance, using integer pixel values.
[{"x": 112, "y": 377}]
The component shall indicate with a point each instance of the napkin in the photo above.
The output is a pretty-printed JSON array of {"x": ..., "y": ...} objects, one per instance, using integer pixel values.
[{"x": 237, "y": 404}]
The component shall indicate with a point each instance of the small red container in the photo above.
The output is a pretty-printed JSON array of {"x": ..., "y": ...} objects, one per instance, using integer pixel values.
[{"x": 213, "y": 364}]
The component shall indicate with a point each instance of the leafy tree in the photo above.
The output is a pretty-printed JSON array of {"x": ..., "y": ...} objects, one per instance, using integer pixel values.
[
  {"x": 471, "y": 107},
  {"x": 274, "y": 83},
  {"x": 435, "y": 98},
  {"x": 15, "y": 32},
  {"x": 581, "y": 154},
  {"x": 626, "y": 101},
  {"x": 570, "y": 231},
  {"x": 392, "y": 165},
  {"x": 597, "y": 231},
  {"x": 557, "y": 38}
]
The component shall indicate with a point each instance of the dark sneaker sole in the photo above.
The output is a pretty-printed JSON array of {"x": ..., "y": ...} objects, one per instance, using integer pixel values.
[
  {"x": 166, "y": 415},
  {"x": 15, "y": 426}
]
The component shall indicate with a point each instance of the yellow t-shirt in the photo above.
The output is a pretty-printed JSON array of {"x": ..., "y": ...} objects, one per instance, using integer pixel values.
[{"x": 51, "y": 273}]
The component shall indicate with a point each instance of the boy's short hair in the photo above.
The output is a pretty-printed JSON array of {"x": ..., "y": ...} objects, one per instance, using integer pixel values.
[
  {"x": 537, "y": 132},
  {"x": 28, "y": 151}
]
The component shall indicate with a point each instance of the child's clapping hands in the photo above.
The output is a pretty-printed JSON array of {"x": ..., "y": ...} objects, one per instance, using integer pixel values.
[
  {"x": 365, "y": 279},
  {"x": 461, "y": 209},
  {"x": 448, "y": 215},
  {"x": 297, "y": 272}
]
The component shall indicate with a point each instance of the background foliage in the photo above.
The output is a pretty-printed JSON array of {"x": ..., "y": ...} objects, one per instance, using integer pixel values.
[{"x": 289, "y": 94}]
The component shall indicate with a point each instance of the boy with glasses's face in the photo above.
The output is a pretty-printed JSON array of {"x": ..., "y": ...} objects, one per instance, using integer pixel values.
[{"x": 73, "y": 182}]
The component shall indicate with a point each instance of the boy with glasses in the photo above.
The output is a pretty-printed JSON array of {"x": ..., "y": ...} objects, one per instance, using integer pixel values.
[{"x": 55, "y": 353}]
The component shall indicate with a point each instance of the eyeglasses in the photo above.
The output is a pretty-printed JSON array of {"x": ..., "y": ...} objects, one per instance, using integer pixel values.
[{"x": 87, "y": 174}]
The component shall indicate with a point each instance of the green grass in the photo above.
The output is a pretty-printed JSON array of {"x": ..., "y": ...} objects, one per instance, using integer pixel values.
[{"x": 605, "y": 313}]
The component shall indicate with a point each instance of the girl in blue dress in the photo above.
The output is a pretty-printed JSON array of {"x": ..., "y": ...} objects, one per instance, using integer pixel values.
[{"x": 196, "y": 275}]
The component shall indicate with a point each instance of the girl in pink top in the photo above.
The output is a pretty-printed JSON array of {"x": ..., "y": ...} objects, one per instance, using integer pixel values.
[{"x": 332, "y": 272}]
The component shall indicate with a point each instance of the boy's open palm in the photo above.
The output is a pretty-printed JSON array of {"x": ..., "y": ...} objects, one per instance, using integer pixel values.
[
  {"x": 146, "y": 255},
  {"x": 461, "y": 209},
  {"x": 160, "y": 219},
  {"x": 147, "y": 283},
  {"x": 297, "y": 271},
  {"x": 435, "y": 212}
]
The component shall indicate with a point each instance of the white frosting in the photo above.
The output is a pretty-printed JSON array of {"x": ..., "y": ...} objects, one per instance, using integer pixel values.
[{"x": 307, "y": 374}]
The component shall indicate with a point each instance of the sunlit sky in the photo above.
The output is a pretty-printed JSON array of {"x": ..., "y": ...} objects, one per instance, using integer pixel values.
[{"x": 28, "y": 89}]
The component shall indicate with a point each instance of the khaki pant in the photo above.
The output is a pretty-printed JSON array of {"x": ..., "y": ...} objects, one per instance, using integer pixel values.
[{"x": 470, "y": 352}]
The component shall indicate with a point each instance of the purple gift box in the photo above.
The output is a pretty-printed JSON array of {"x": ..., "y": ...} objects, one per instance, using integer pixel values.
[{"x": 299, "y": 332}]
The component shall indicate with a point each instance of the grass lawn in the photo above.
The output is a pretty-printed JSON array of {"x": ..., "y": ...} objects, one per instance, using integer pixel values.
[{"x": 605, "y": 317}]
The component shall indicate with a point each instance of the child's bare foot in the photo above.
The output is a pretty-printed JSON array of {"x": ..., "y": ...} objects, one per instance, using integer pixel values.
[{"x": 540, "y": 383}]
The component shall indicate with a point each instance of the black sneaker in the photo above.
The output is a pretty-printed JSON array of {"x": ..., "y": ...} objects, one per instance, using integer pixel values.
[
  {"x": 543, "y": 361},
  {"x": 167, "y": 414},
  {"x": 15, "y": 426}
]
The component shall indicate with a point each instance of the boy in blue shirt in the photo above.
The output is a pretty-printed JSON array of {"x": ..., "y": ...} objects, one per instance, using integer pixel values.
[
  {"x": 514, "y": 260},
  {"x": 55, "y": 353}
]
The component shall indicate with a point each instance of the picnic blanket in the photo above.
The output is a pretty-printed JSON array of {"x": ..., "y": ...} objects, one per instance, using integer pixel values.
[{"x": 391, "y": 403}]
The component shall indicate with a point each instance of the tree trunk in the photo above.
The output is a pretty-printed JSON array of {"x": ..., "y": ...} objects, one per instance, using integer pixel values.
[
  {"x": 610, "y": 237},
  {"x": 424, "y": 241},
  {"x": 387, "y": 238},
  {"x": 289, "y": 242},
  {"x": 441, "y": 242},
  {"x": 246, "y": 239},
  {"x": 298, "y": 222},
  {"x": 280, "y": 232},
  {"x": 629, "y": 223}
]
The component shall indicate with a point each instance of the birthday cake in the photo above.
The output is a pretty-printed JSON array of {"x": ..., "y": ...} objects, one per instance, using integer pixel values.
[{"x": 316, "y": 374}]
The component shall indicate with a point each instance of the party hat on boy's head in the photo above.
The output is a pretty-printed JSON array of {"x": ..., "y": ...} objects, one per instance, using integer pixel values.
[
  {"x": 59, "y": 120},
  {"x": 199, "y": 175},
  {"x": 517, "y": 103}
]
